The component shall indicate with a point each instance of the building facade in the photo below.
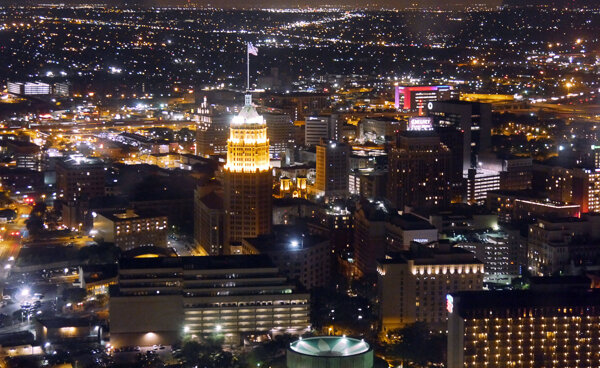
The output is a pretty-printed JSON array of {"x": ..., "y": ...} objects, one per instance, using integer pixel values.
[
  {"x": 412, "y": 98},
  {"x": 473, "y": 119},
  {"x": 132, "y": 228},
  {"x": 332, "y": 170},
  {"x": 248, "y": 181},
  {"x": 305, "y": 258},
  {"x": 524, "y": 328},
  {"x": 555, "y": 243},
  {"x": 212, "y": 130},
  {"x": 208, "y": 223},
  {"x": 27, "y": 155},
  {"x": 280, "y": 131},
  {"x": 78, "y": 176},
  {"x": 412, "y": 285},
  {"x": 178, "y": 297},
  {"x": 419, "y": 171},
  {"x": 316, "y": 129}
]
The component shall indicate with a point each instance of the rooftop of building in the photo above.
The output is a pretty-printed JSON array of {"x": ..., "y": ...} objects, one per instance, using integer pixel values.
[
  {"x": 96, "y": 273},
  {"x": 408, "y": 221},
  {"x": 285, "y": 238},
  {"x": 502, "y": 300},
  {"x": 530, "y": 195},
  {"x": 375, "y": 210},
  {"x": 457, "y": 102},
  {"x": 212, "y": 201},
  {"x": 149, "y": 251},
  {"x": 79, "y": 161},
  {"x": 11, "y": 170},
  {"x": 454, "y": 210},
  {"x": 382, "y": 118},
  {"x": 129, "y": 214},
  {"x": 59, "y": 322},
  {"x": 286, "y": 202},
  {"x": 435, "y": 253},
  {"x": 199, "y": 263},
  {"x": 16, "y": 339},
  {"x": 22, "y": 144},
  {"x": 563, "y": 220},
  {"x": 330, "y": 346},
  {"x": 560, "y": 281},
  {"x": 247, "y": 116}
]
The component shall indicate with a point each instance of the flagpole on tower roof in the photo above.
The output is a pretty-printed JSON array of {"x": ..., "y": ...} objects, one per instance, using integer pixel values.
[
  {"x": 250, "y": 49},
  {"x": 248, "y": 66}
]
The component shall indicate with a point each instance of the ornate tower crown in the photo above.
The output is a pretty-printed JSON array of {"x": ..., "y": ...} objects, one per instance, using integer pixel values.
[{"x": 248, "y": 145}]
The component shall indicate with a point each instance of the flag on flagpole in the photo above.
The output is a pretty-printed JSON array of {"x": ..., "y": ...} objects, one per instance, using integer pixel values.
[{"x": 252, "y": 49}]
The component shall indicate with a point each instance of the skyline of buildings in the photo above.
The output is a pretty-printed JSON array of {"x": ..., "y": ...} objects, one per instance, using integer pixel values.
[{"x": 400, "y": 188}]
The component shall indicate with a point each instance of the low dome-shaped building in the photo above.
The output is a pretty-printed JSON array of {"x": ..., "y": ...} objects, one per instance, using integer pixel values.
[{"x": 330, "y": 352}]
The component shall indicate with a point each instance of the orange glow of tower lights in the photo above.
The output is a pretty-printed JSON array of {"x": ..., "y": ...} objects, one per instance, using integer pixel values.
[{"x": 248, "y": 145}]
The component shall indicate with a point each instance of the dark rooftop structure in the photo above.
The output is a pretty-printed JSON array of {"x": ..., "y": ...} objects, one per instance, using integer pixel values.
[
  {"x": 208, "y": 262},
  {"x": 409, "y": 221},
  {"x": 16, "y": 339},
  {"x": 503, "y": 301},
  {"x": 129, "y": 214},
  {"x": 213, "y": 201},
  {"x": 77, "y": 161},
  {"x": 438, "y": 252},
  {"x": 59, "y": 322},
  {"x": 282, "y": 236}
]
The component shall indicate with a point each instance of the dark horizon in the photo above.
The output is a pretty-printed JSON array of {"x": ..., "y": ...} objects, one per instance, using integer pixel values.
[
  {"x": 240, "y": 4},
  {"x": 353, "y": 4}
]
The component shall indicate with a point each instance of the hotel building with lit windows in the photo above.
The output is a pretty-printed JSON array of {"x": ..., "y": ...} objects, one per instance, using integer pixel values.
[
  {"x": 553, "y": 244},
  {"x": 524, "y": 328},
  {"x": 163, "y": 300},
  {"x": 131, "y": 228},
  {"x": 248, "y": 181},
  {"x": 412, "y": 285}
]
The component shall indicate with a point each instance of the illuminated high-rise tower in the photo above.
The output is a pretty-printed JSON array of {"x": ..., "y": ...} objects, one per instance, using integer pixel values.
[{"x": 248, "y": 179}]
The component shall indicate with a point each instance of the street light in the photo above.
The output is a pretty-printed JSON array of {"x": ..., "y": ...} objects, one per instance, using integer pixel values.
[{"x": 25, "y": 292}]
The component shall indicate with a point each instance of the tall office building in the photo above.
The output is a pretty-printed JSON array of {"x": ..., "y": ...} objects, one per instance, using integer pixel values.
[
  {"x": 479, "y": 183},
  {"x": 370, "y": 220},
  {"x": 280, "y": 131},
  {"x": 472, "y": 120},
  {"x": 316, "y": 129},
  {"x": 247, "y": 177},
  {"x": 208, "y": 223},
  {"x": 524, "y": 328},
  {"x": 212, "y": 128},
  {"x": 419, "y": 171},
  {"x": 78, "y": 176},
  {"x": 332, "y": 170}
]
